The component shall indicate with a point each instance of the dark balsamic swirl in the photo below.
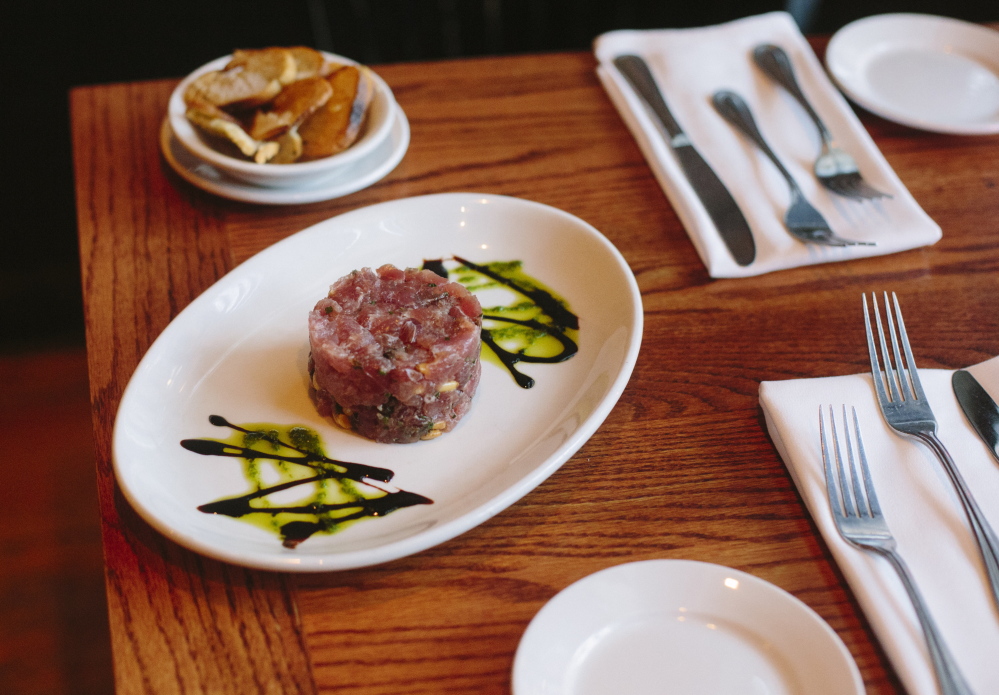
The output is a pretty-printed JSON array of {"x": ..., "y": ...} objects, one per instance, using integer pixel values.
[
  {"x": 561, "y": 320},
  {"x": 294, "y": 532}
]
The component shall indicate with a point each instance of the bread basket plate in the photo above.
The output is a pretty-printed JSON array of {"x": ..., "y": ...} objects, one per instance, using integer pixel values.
[
  {"x": 377, "y": 126},
  {"x": 240, "y": 351},
  {"x": 342, "y": 181}
]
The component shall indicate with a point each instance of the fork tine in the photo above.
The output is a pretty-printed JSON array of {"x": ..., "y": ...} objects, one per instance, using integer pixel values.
[
  {"x": 859, "y": 498},
  {"x": 910, "y": 363},
  {"x": 833, "y": 486},
  {"x": 854, "y": 186},
  {"x": 865, "y": 190},
  {"x": 890, "y": 367},
  {"x": 902, "y": 370},
  {"x": 851, "y": 498},
  {"x": 842, "y": 185},
  {"x": 865, "y": 469},
  {"x": 880, "y": 378}
]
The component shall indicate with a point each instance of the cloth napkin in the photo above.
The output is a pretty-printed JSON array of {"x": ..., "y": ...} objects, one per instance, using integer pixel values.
[
  {"x": 690, "y": 65},
  {"x": 922, "y": 511}
]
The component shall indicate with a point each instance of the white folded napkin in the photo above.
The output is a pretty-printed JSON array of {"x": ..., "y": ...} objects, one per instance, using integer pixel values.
[
  {"x": 690, "y": 65},
  {"x": 922, "y": 511}
]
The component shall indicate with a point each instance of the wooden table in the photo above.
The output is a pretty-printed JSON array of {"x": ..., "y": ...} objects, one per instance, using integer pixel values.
[{"x": 689, "y": 425}]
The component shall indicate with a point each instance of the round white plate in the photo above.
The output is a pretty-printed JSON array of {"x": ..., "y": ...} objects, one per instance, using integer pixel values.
[
  {"x": 927, "y": 72},
  {"x": 240, "y": 351},
  {"x": 680, "y": 626},
  {"x": 351, "y": 178}
]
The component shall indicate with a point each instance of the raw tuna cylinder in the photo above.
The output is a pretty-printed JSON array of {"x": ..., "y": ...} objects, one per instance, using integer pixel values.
[{"x": 395, "y": 353}]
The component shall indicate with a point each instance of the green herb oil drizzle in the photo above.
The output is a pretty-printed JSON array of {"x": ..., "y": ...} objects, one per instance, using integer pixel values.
[
  {"x": 341, "y": 492},
  {"x": 538, "y": 328}
]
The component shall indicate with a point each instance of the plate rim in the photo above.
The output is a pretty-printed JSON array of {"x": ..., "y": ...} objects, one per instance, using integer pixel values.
[
  {"x": 521, "y": 685},
  {"x": 289, "y": 195},
  {"x": 441, "y": 532},
  {"x": 833, "y": 61}
]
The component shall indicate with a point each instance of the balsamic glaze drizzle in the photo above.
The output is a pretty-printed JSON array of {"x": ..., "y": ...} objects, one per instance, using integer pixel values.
[
  {"x": 552, "y": 307},
  {"x": 351, "y": 471},
  {"x": 294, "y": 532},
  {"x": 562, "y": 319}
]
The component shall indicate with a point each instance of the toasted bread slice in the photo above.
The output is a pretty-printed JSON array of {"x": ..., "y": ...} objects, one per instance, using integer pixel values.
[
  {"x": 334, "y": 127},
  {"x": 289, "y": 147},
  {"x": 308, "y": 61},
  {"x": 273, "y": 63},
  {"x": 215, "y": 121},
  {"x": 295, "y": 102},
  {"x": 235, "y": 88}
]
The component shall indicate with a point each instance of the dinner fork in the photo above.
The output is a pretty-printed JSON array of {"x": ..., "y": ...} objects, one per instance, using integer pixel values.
[
  {"x": 801, "y": 219},
  {"x": 834, "y": 168},
  {"x": 906, "y": 410},
  {"x": 860, "y": 521}
]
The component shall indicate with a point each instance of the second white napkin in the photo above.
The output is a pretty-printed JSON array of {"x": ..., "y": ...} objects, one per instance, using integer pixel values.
[
  {"x": 922, "y": 511},
  {"x": 690, "y": 65}
]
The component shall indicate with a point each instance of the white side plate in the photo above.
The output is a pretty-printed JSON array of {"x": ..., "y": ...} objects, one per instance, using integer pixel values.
[
  {"x": 680, "y": 626},
  {"x": 240, "y": 351},
  {"x": 927, "y": 72}
]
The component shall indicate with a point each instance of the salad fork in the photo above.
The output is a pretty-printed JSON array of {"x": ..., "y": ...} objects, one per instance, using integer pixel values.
[
  {"x": 859, "y": 519},
  {"x": 801, "y": 219},
  {"x": 906, "y": 410},
  {"x": 834, "y": 168}
]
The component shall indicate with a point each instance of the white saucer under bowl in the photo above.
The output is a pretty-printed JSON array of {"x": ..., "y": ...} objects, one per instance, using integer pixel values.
[
  {"x": 680, "y": 626},
  {"x": 927, "y": 72},
  {"x": 343, "y": 181}
]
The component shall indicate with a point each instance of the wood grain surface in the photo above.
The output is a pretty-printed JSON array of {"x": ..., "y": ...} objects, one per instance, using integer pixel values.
[{"x": 682, "y": 467}]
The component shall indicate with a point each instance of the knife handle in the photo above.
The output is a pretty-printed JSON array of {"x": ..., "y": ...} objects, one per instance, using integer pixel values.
[{"x": 637, "y": 72}]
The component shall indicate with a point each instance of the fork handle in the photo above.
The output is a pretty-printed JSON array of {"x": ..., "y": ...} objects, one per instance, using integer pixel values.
[
  {"x": 777, "y": 65},
  {"x": 986, "y": 538},
  {"x": 949, "y": 676},
  {"x": 733, "y": 109}
]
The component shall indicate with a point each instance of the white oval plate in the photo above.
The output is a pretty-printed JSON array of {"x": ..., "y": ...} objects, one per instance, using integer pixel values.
[
  {"x": 351, "y": 178},
  {"x": 240, "y": 351},
  {"x": 933, "y": 73},
  {"x": 680, "y": 626}
]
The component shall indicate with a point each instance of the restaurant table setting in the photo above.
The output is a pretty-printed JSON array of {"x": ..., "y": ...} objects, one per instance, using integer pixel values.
[
  {"x": 921, "y": 508},
  {"x": 508, "y": 567},
  {"x": 692, "y": 65}
]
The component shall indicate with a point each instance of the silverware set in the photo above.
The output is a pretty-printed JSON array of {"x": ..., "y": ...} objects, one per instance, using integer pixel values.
[
  {"x": 853, "y": 501},
  {"x": 834, "y": 168}
]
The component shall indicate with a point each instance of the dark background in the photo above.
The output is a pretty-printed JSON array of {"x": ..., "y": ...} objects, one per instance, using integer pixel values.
[{"x": 50, "y": 46}]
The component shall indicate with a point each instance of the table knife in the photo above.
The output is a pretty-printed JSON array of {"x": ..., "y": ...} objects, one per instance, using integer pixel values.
[
  {"x": 718, "y": 202},
  {"x": 981, "y": 411}
]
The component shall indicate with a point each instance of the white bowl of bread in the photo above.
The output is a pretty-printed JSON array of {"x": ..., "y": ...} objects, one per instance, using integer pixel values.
[{"x": 281, "y": 117}]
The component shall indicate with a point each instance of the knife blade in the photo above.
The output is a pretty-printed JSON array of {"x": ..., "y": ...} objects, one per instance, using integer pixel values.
[
  {"x": 978, "y": 406},
  {"x": 720, "y": 206}
]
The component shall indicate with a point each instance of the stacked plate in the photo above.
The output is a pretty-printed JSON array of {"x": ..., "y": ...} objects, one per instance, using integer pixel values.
[{"x": 380, "y": 147}]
